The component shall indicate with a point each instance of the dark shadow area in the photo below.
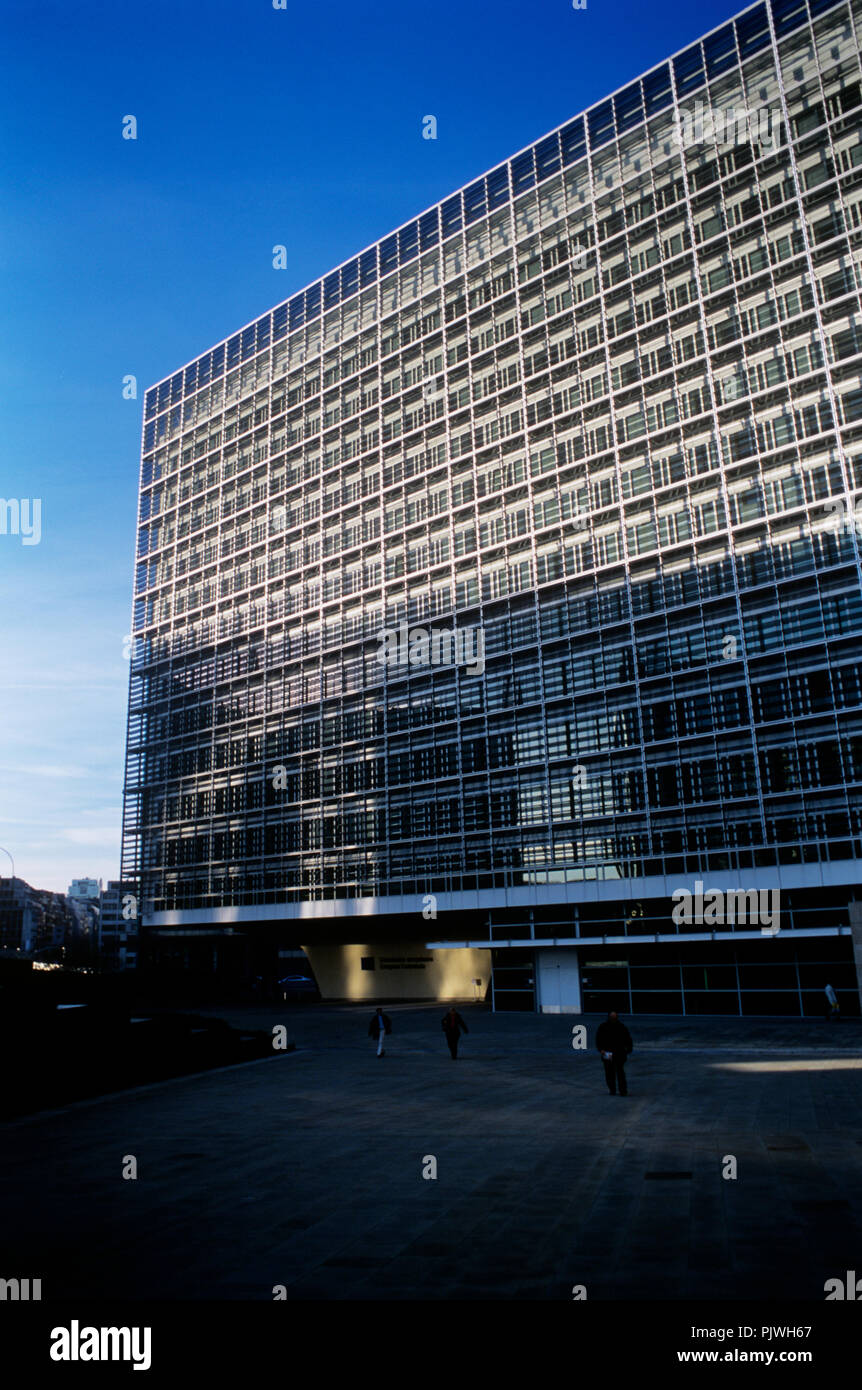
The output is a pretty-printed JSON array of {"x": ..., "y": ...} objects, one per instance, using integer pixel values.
[{"x": 67, "y": 1035}]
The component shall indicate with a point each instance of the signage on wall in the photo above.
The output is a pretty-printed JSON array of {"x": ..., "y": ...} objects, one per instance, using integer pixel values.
[{"x": 404, "y": 962}]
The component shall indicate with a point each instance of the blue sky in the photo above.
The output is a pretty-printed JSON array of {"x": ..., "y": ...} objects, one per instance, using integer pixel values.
[{"x": 256, "y": 127}]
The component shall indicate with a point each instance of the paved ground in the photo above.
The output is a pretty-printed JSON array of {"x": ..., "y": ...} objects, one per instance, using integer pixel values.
[{"x": 306, "y": 1170}]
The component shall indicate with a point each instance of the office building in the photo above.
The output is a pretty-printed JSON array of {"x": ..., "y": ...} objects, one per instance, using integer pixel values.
[{"x": 503, "y": 585}]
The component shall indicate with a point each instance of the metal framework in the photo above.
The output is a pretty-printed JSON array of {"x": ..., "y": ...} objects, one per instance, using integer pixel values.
[{"x": 603, "y": 406}]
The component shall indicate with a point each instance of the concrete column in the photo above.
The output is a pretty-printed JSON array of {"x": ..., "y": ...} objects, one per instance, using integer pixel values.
[
  {"x": 856, "y": 929},
  {"x": 399, "y": 970}
]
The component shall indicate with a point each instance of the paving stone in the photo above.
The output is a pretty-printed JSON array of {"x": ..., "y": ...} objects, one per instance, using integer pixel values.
[{"x": 307, "y": 1170}]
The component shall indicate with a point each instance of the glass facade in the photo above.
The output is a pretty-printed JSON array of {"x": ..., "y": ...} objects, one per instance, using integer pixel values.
[{"x": 603, "y": 407}]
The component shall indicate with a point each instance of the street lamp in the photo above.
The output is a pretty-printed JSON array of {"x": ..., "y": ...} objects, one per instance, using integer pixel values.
[{"x": 11, "y": 860}]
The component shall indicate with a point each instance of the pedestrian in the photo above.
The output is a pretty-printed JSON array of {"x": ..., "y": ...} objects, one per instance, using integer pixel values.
[
  {"x": 453, "y": 1026},
  {"x": 379, "y": 1026},
  {"x": 614, "y": 1043},
  {"x": 833, "y": 1008}
]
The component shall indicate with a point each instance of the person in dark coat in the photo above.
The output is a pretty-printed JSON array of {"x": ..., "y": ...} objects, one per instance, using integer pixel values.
[
  {"x": 614, "y": 1043},
  {"x": 379, "y": 1026},
  {"x": 453, "y": 1026}
]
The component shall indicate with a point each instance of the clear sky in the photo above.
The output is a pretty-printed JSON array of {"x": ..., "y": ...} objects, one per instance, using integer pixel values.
[{"x": 255, "y": 127}]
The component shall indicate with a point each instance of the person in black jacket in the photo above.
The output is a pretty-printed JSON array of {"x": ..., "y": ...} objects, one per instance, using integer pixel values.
[
  {"x": 614, "y": 1043},
  {"x": 378, "y": 1028},
  {"x": 453, "y": 1026}
]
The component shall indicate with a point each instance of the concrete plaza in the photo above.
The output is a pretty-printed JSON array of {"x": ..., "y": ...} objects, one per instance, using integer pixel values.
[{"x": 306, "y": 1170}]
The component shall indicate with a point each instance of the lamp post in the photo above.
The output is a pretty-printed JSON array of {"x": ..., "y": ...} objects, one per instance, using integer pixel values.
[{"x": 11, "y": 860}]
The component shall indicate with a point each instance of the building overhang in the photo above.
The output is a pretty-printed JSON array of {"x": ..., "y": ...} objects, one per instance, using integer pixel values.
[{"x": 433, "y": 907}]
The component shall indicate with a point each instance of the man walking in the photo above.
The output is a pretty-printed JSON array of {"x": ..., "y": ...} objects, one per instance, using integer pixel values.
[
  {"x": 378, "y": 1028},
  {"x": 614, "y": 1043},
  {"x": 833, "y": 1009},
  {"x": 453, "y": 1026}
]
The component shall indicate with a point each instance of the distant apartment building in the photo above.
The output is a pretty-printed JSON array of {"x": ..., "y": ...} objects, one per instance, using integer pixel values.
[
  {"x": 17, "y": 921},
  {"x": 119, "y": 926},
  {"x": 33, "y": 919},
  {"x": 85, "y": 889},
  {"x": 596, "y": 420}
]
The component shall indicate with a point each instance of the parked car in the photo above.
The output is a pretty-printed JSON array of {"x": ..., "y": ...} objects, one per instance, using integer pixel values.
[{"x": 298, "y": 987}]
